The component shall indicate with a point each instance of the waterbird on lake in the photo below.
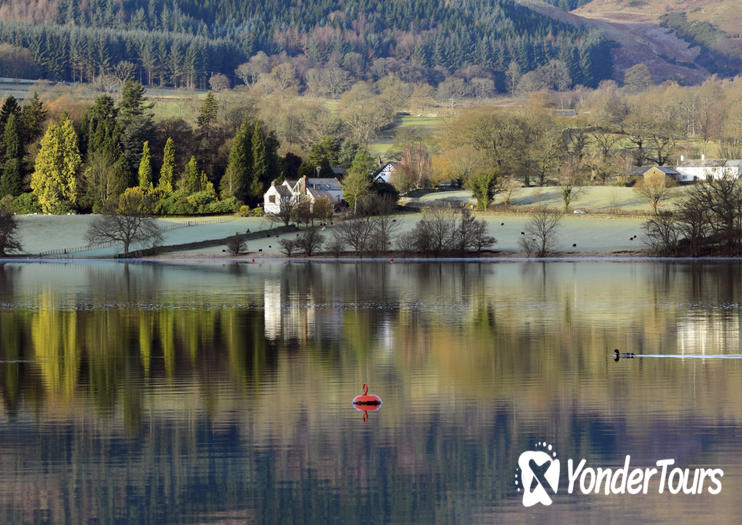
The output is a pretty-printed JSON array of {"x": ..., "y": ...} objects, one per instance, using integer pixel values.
[{"x": 622, "y": 355}]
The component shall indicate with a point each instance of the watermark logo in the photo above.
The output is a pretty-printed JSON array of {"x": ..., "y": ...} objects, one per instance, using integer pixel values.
[{"x": 538, "y": 475}]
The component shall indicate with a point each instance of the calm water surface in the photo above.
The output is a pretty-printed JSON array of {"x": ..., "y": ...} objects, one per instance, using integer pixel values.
[{"x": 184, "y": 393}]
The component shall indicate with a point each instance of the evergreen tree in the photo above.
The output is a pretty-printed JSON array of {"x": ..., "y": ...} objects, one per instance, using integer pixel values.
[
  {"x": 135, "y": 120},
  {"x": 235, "y": 181},
  {"x": 55, "y": 180},
  {"x": 10, "y": 181},
  {"x": 259, "y": 177},
  {"x": 100, "y": 128},
  {"x": 209, "y": 109},
  {"x": 167, "y": 172},
  {"x": 190, "y": 180},
  {"x": 145, "y": 169},
  {"x": 10, "y": 107},
  {"x": 33, "y": 116}
]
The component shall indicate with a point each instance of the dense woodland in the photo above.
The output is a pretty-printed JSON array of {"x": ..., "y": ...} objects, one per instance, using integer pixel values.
[{"x": 323, "y": 47}]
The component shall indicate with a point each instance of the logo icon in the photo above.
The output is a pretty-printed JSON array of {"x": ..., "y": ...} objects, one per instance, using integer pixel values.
[{"x": 537, "y": 475}]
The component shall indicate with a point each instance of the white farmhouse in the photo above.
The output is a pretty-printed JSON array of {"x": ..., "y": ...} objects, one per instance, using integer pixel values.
[
  {"x": 385, "y": 172},
  {"x": 701, "y": 169},
  {"x": 312, "y": 189}
]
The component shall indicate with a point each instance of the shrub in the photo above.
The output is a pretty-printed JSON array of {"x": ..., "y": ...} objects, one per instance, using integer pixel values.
[
  {"x": 257, "y": 212},
  {"x": 27, "y": 203},
  {"x": 244, "y": 210}
]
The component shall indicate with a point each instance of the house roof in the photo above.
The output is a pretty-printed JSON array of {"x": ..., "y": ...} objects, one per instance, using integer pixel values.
[
  {"x": 283, "y": 190},
  {"x": 320, "y": 193},
  {"x": 324, "y": 184},
  {"x": 666, "y": 170},
  {"x": 708, "y": 163}
]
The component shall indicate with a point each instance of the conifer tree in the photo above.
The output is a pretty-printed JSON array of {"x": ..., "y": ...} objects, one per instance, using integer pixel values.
[
  {"x": 259, "y": 176},
  {"x": 135, "y": 121},
  {"x": 145, "y": 169},
  {"x": 234, "y": 183},
  {"x": 209, "y": 108},
  {"x": 10, "y": 181},
  {"x": 54, "y": 180},
  {"x": 190, "y": 181},
  {"x": 33, "y": 116},
  {"x": 167, "y": 172}
]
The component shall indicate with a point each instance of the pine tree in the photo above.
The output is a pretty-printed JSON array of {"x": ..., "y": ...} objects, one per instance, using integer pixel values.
[
  {"x": 209, "y": 108},
  {"x": 190, "y": 180},
  {"x": 167, "y": 172},
  {"x": 259, "y": 176},
  {"x": 234, "y": 183},
  {"x": 10, "y": 107},
  {"x": 33, "y": 116},
  {"x": 54, "y": 180},
  {"x": 145, "y": 169},
  {"x": 135, "y": 121},
  {"x": 10, "y": 181}
]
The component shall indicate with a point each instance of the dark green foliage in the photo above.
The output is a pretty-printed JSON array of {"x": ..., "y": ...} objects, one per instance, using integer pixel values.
[
  {"x": 10, "y": 181},
  {"x": 27, "y": 203},
  {"x": 207, "y": 115},
  {"x": 9, "y": 107},
  {"x": 260, "y": 174},
  {"x": 33, "y": 116},
  {"x": 100, "y": 128},
  {"x": 235, "y": 182},
  {"x": 324, "y": 155},
  {"x": 184, "y": 42},
  {"x": 135, "y": 121}
]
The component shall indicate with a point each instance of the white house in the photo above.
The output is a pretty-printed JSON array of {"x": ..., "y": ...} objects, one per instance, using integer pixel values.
[
  {"x": 385, "y": 172},
  {"x": 701, "y": 169},
  {"x": 312, "y": 189}
]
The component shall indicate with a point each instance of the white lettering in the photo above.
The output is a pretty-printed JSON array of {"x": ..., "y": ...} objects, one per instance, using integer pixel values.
[
  {"x": 572, "y": 475},
  {"x": 717, "y": 482},
  {"x": 635, "y": 481},
  {"x": 664, "y": 463},
  {"x": 621, "y": 474}
]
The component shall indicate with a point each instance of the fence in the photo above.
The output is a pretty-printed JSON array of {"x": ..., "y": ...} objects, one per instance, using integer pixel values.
[{"x": 67, "y": 252}]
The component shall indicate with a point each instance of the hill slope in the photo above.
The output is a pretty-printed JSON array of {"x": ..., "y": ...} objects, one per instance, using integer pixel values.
[{"x": 181, "y": 42}]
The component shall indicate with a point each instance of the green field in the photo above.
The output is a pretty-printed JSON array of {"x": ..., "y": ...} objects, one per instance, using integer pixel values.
[{"x": 383, "y": 145}]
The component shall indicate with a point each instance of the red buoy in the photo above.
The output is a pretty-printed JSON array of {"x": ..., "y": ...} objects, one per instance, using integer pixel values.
[
  {"x": 367, "y": 401},
  {"x": 253, "y": 260},
  {"x": 391, "y": 260}
]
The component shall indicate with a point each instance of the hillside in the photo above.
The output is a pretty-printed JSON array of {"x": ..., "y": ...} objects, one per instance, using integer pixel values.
[
  {"x": 327, "y": 44},
  {"x": 711, "y": 27}
]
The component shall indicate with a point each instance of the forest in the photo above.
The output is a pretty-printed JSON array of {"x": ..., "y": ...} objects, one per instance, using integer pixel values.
[{"x": 184, "y": 43}]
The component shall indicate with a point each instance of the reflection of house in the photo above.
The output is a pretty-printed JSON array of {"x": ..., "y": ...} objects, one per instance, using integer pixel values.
[
  {"x": 702, "y": 169},
  {"x": 385, "y": 172},
  {"x": 312, "y": 189},
  {"x": 286, "y": 316}
]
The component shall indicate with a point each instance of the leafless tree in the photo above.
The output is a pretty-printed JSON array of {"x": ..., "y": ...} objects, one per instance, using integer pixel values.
[
  {"x": 655, "y": 187},
  {"x": 309, "y": 242},
  {"x": 130, "y": 222},
  {"x": 541, "y": 233},
  {"x": 236, "y": 245}
]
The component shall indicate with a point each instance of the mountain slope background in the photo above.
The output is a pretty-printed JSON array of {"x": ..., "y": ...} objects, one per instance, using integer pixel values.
[{"x": 326, "y": 45}]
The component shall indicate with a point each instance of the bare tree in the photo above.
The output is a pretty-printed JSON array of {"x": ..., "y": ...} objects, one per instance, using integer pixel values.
[
  {"x": 130, "y": 222},
  {"x": 356, "y": 233},
  {"x": 285, "y": 213},
  {"x": 309, "y": 242},
  {"x": 8, "y": 230},
  {"x": 236, "y": 244},
  {"x": 655, "y": 187},
  {"x": 541, "y": 233}
]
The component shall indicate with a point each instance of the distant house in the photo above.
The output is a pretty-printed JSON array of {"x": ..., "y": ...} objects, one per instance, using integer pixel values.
[
  {"x": 643, "y": 171},
  {"x": 312, "y": 189},
  {"x": 701, "y": 169},
  {"x": 384, "y": 173}
]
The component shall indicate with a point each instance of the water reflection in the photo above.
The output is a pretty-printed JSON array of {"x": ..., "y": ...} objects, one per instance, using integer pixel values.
[{"x": 158, "y": 393}]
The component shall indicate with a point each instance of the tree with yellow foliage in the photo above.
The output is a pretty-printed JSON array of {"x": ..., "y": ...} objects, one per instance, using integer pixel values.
[{"x": 55, "y": 177}]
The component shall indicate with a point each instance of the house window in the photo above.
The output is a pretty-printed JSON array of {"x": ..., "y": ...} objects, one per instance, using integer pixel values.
[{"x": 272, "y": 199}]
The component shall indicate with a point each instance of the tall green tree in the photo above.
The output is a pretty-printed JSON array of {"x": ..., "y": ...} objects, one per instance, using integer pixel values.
[
  {"x": 235, "y": 181},
  {"x": 135, "y": 120},
  {"x": 100, "y": 128},
  {"x": 259, "y": 178},
  {"x": 357, "y": 184},
  {"x": 208, "y": 113},
  {"x": 55, "y": 177},
  {"x": 191, "y": 181},
  {"x": 145, "y": 168},
  {"x": 167, "y": 172},
  {"x": 33, "y": 115},
  {"x": 11, "y": 179}
]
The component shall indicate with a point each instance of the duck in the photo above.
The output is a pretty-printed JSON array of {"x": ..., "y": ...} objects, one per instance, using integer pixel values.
[{"x": 622, "y": 355}]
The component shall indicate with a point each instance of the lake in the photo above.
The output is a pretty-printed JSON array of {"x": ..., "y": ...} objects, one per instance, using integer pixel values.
[{"x": 222, "y": 393}]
